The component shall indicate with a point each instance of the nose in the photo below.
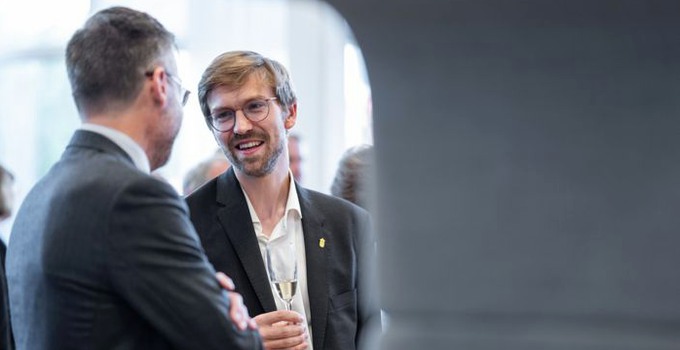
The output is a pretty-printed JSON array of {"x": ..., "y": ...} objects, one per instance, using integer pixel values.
[{"x": 241, "y": 124}]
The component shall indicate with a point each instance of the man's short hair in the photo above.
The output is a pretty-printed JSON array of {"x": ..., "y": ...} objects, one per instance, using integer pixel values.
[
  {"x": 107, "y": 58},
  {"x": 355, "y": 175},
  {"x": 201, "y": 173},
  {"x": 232, "y": 69}
]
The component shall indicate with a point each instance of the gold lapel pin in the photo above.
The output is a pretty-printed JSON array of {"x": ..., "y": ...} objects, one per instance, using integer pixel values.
[{"x": 322, "y": 242}]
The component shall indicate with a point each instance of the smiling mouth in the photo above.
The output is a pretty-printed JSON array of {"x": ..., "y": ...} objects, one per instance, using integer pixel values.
[{"x": 248, "y": 145}]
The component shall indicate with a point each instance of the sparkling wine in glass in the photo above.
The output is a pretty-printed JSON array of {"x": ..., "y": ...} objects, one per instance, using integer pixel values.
[{"x": 282, "y": 268}]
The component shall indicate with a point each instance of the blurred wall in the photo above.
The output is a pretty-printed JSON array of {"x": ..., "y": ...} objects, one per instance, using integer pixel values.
[{"x": 528, "y": 164}]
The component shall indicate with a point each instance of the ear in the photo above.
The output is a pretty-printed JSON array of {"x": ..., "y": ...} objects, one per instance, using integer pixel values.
[
  {"x": 159, "y": 86},
  {"x": 290, "y": 120}
]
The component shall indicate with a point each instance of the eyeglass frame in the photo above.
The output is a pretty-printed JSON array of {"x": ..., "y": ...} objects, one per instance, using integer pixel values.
[
  {"x": 184, "y": 91},
  {"x": 210, "y": 118}
]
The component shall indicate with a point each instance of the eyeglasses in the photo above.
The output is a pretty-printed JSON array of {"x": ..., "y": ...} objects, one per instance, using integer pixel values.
[
  {"x": 185, "y": 92},
  {"x": 255, "y": 110}
]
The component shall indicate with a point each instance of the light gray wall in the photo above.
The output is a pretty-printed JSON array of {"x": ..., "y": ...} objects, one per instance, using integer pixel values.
[{"x": 528, "y": 163}]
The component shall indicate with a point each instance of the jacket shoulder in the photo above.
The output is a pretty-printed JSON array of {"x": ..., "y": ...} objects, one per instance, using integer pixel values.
[{"x": 328, "y": 203}]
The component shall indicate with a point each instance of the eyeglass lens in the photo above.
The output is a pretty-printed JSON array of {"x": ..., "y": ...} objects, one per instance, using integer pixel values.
[{"x": 255, "y": 110}]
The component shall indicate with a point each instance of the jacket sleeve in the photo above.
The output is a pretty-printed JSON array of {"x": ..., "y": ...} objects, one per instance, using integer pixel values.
[{"x": 157, "y": 265}]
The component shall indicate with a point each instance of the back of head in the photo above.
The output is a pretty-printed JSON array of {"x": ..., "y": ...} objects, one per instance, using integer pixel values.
[
  {"x": 233, "y": 68},
  {"x": 106, "y": 60},
  {"x": 354, "y": 175},
  {"x": 6, "y": 181}
]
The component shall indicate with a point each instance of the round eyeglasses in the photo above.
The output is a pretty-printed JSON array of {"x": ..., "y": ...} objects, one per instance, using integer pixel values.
[{"x": 256, "y": 110}]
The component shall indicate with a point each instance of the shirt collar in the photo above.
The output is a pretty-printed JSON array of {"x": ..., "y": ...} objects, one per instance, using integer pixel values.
[{"x": 129, "y": 146}]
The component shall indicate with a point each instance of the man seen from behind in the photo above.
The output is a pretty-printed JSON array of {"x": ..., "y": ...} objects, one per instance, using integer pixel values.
[{"x": 102, "y": 255}]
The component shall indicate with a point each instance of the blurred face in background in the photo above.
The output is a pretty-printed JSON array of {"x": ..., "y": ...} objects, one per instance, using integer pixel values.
[
  {"x": 295, "y": 158},
  {"x": 6, "y": 195}
]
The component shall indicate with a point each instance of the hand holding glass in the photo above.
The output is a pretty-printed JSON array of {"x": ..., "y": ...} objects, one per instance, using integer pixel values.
[{"x": 282, "y": 268}]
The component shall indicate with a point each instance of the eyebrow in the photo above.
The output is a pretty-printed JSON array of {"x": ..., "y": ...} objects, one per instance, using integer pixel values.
[{"x": 223, "y": 108}]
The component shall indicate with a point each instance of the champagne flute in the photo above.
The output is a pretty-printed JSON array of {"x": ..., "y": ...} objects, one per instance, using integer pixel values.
[{"x": 282, "y": 268}]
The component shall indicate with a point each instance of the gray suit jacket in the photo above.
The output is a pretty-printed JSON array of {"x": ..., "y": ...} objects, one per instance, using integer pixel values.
[
  {"x": 342, "y": 302},
  {"x": 103, "y": 256}
]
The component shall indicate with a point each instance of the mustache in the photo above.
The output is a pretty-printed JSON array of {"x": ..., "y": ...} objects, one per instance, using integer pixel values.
[{"x": 250, "y": 134}]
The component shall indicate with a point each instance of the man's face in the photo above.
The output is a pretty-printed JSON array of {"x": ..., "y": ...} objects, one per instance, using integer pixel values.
[
  {"x": 163, "y": 134},
  {"x": 254, "y": 148}
]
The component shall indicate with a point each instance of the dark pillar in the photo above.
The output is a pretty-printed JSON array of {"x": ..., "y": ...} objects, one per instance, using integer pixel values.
[{"x": 529, "y": 171}]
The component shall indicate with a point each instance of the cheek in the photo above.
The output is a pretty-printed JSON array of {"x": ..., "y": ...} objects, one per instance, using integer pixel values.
[{"x": 221, "y": 138}]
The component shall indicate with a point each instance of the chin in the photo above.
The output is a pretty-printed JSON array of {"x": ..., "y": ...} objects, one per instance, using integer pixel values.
[
  {"x": 254, "y": 172},
  {"x": 251, "y": 169},
  {"x": 160, "y": 158}
]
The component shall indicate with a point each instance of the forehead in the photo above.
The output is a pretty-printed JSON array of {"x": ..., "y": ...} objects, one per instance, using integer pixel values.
[{"x": 223, "y": 96}]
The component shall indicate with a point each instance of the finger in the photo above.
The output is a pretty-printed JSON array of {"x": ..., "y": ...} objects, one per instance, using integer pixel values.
[
  {"x": 298, "y": 342},
  {"x": 252, "y": 324},
  {"x": 276, "y": 333},
  {"x": 236, "y": 311},
  {"x": 225, "y": 281},
  {"x": 302, "y": 346},
  {"x": 273, "y": 317}
]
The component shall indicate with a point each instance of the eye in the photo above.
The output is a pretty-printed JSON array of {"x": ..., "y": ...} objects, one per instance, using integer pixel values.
[
  {"x": 223, "y": 115},
  {"x": 256, "y": 106}
]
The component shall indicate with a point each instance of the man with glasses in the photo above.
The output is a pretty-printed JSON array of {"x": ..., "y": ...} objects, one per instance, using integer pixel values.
[
  {"x": 102, "y": 254},
  {"x": 250, "y": 106}
]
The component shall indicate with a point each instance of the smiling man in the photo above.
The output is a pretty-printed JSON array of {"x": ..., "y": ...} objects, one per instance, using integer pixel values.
[{"x": 250, "y": 106}]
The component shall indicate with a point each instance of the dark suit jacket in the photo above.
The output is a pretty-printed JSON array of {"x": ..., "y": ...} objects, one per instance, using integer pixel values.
[
  {"x": 6, "y": 339},
  {"x": 342, "y": 303},
  {"x": 103, "y": 256}
]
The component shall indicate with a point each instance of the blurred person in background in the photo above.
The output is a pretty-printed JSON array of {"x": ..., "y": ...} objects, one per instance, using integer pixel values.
[
  {"x": 102, "y": 254},
  {"x": 204, "y": 172},
  {"x": 6, "y": 193},
  {"x": 6, "y": 205},
  {"x": 295, "y": 156},
  {"x": 250, "y": 107},
  {"x": 354, "y": 176}
]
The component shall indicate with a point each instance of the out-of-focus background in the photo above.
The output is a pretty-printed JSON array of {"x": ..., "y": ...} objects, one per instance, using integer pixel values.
[
  {"x": 38, "y": 116},
  {"x": 526, "y": 151}
]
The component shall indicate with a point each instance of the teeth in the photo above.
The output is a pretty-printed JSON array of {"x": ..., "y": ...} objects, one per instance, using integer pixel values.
[{"x": 248, "y": 145}]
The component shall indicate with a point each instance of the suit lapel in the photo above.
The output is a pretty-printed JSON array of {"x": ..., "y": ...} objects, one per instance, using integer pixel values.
[
  {"x": 317, "y": 276},
  {"x": 238, "y": 227}
]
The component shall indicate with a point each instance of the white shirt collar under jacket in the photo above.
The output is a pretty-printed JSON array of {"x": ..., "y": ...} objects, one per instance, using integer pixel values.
[{"x": 123, "y": 141}]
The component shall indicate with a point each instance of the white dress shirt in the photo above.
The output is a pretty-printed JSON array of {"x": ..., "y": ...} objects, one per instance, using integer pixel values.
[{"x": 289, "y": 227}]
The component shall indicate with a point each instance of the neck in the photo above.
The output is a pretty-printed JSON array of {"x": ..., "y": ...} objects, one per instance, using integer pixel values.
[
  {"x": 131, "y": 124},
  {"x": 268, "y": 194}
]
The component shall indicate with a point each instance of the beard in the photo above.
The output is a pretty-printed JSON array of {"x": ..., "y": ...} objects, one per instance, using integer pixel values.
[
  {"x": 161, "y": 155},
  {"x": 162, "y": 138},
  {"x": 258, "y": 166}
]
